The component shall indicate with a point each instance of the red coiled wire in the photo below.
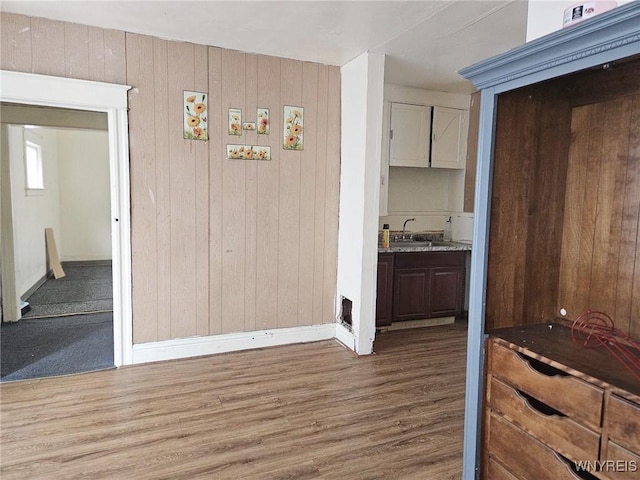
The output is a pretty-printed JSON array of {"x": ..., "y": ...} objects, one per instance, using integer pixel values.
[{"x": 596, "y": 329}]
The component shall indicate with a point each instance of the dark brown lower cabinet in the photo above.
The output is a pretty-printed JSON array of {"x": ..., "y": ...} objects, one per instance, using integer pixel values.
[
  {"x": 420, "y": 285},
  {"x": 384, "y": 300}
]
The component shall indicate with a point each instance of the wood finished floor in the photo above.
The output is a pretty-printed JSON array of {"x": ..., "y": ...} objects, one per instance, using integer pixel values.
[{"x": 313, "y": 411}]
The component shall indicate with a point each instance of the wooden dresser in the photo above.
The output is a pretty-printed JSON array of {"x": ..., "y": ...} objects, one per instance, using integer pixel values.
[{"x": 555, "y": 409}]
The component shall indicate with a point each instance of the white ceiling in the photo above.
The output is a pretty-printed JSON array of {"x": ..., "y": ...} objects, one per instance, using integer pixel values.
[{"x": 426, "y": 41}]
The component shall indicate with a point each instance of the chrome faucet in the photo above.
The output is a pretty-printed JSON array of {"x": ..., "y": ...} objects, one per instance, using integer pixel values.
[{"x": 404, "y": 226}]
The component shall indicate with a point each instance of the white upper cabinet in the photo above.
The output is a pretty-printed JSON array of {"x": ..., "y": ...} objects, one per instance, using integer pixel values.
[
  {"x": 409, "y": 135},
  {"x": 449, "y": 138}
]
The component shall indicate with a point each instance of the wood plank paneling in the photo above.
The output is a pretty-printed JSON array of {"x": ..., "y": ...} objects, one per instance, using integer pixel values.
[
  {"x": 15, "y": 38},
  {"x": 218, "y": 245},
  {"x": 217, "y": 131},
  {"x": 268, "y": 184},
  {"x": 320, "y": 196},
  {"x": 234, "y": 198},
  {"x": 509, "y": 212},
  {"x": 201, "y": 191},
  {"x": 162, "y": 193},
  {"x": 289, "y": 212},
  {"x": 142, "y": 120},
  {"x": 76, "y": 51},
  {"x": 600, "y": 244},
  {"x": 631, "y": 193},
  {"x": 182, "y": 177},
  {"x": 332, "y": 189},
  {"x": 47, "y": 46},
  {"x": 251, "y": 184},
  {"x": 307, "y": 200}
]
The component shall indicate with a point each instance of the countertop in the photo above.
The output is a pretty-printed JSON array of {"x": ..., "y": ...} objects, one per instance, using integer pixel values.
[{"x": 437, "y": 246}]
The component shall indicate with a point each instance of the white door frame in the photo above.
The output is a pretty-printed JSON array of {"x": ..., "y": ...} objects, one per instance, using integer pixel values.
[{"x": 32, "y": 89}]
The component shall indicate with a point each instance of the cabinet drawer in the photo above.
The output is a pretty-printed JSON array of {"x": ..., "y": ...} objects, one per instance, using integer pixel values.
[
  {"x": 620, "y": 464},
  {"x": 544, "y": 423},
  {"x": 495, "y": 471},
  {"x": 565, "y": 393},
  {"x": 622, "y": 420},
  {"x": 429, "y": 259},
  {"x": 523, "y": 455}
]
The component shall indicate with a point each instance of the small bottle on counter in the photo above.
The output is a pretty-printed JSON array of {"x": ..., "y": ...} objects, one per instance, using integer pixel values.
[
  {"x": 385, "y": 235},
  {"x": 446, "y": 235}
]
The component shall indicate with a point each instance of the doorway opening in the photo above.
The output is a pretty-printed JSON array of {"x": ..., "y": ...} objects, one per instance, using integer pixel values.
[
  {"x": 58, "y": 169},
  {"x": 110, "y": 101}
]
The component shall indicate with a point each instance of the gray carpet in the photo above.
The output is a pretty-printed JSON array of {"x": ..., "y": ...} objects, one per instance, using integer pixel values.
[
  {"x": 84, "y": 289},
  {"x": 47, "y": 347}
]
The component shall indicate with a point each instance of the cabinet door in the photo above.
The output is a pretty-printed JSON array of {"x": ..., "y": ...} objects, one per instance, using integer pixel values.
[
  {"x": 384, "y": 299},
  {"x": 384, "y": 160},
  {"x": 448, "y": 138},
  {"x": 409, "y": 135},
  {"x": 411, "y": 294},
  {"x": 446, "y": 291}
]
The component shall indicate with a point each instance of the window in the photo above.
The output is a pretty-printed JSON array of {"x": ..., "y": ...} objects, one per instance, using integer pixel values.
[{"x": 33, "y": 166}]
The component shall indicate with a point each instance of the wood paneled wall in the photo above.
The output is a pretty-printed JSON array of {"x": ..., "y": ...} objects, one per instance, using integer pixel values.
[
  {"x": 218, "y": 245},
  {"x": 565, "y": 214},
  {"x": 601, "y": 240}
]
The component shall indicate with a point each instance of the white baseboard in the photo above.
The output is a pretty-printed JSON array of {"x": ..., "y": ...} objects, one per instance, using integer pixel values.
[
  {"x": 230, "y": 342},
  {"x": 345, "y": 336}
]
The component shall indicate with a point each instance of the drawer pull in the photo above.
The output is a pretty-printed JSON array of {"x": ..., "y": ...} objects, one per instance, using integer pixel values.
[
  {"x": 541, "y": 367},
  {"x": 539, "y": 406},
  {"x": 582, "y": 474}
]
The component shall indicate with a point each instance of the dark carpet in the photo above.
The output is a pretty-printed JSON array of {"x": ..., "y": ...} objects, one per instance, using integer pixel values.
[
  {"x": 47, "y": 347},
  {"x": 84, "y": 289}
]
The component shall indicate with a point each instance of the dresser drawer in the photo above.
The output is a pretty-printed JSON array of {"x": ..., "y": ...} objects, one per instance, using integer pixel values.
[
  {"x": 620, "y": 464},
  {"x": 523, "y": 455},
  {"x": 622, "y": 423},
  {"x": 495, "y": 471},
  {"x": 557, "y": 389},
  {"x": 551, "y": 427}
]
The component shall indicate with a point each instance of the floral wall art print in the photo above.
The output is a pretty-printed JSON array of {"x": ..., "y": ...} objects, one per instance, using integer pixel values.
[
  {"x": 235, "y": 121},
  {"x": 248, "y": 152},
  {"x": 293, "y": 128},
  {"x": 195, "y": 116},
  {"x": 263, "y": 121}
]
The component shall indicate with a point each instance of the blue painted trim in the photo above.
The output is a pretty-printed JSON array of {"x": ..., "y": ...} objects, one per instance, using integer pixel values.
[
  {"x": 478, "y": 286},
  {"x": 605, "y": 37}
]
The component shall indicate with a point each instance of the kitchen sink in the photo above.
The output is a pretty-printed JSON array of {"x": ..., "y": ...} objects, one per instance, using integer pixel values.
[{"x": 412, "y": 243}]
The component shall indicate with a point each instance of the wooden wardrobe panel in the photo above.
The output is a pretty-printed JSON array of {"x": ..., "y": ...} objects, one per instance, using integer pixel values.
[{"x": 512, "y": 171}]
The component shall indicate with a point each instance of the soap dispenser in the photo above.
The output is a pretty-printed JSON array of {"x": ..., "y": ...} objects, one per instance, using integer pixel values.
[
  {"x": 385, "y": 236},
  {"x": 446, "y": 236}
]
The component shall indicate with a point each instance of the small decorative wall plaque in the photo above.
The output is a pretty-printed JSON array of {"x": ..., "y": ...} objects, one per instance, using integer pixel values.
[
  {"x": 235, "y": 121},
  {"x": 248, "y": 152},
  {"x": 195, "y": 116},
  {"x": 293, "y": 128},
  {"x": 249, "y": 126},
  {"x": 263, "y": 121}
]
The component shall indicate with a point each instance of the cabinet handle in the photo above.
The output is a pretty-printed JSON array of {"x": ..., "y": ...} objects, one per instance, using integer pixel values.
[
  {"x": 390, "y": 134},
  {"x": 538, "y": 406}
]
